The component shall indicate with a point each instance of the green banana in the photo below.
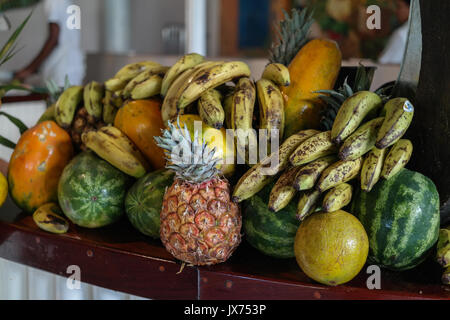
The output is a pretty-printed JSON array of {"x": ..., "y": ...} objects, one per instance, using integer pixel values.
[
  {"x": 399, "y": 115},
  {"x": 142, "y": 78},
  {"x": 397, "y": 158},
  {"x": 93, "y": 99},
  {"x": 318, "y": 146},
  {"x": 261, "y": 174},
  {"x": 352, "y": 112},
  {"x": 371, "y": 168},
  {"x": 308, "y": 204},
  {"x": 211, "y": 78},
  {"x": 443, "y": 248},
  {"x": 278, "y": 73},
  {"x": 147, "y": 89},
  {"x": 109, "y": 108},
  {"x": 115, "y": 84},
  {"x": 49, "y": 114},
  {"x": 271, "y": 108},
  {"x": 67, "y": 104},
  {"x": 210, "y": 108},
  {"x": 361, "y": 141},
  {"x": 337, "y": 198},
  {"x": 308, "y": 175},
  {"x": 49, "y": 217},
  {"x": 283, "y": 192},
  {"x": 339, "y": 172},
  {"x": 186, "y": 62}
]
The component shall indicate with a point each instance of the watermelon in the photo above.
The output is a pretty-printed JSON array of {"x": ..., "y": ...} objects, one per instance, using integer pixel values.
[
  {"x": 271, "y": 233},
  {"x": 91, "y": 192},
  {"x": 401, "y": 218},
  {"x": 144, "y": 201}
]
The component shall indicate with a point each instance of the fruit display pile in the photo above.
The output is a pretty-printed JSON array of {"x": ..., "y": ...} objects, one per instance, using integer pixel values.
[{"x": 152, "y": 144}]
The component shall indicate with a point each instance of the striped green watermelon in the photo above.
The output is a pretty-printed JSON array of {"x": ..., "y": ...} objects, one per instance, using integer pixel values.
[
  {"x": 144, "y": 201},
  {"x": 271, "y": 233},
  {"x": 401, "y": 217},
  {"x": 91, "y": 192}
]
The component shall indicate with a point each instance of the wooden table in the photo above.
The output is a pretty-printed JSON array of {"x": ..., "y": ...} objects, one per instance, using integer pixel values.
[{"x": 119, "y": 258}]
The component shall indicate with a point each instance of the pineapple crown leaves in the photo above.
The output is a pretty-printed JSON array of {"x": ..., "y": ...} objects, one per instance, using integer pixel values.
[
  {"x": 54, "y": 90},
  {"x": 191, "y": 159},
  {"x": 291, "y": 35}
]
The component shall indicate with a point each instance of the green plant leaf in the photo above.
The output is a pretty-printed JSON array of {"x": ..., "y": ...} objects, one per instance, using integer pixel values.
[
  {"x": 9, "y": 49},
  {"x": 7, "y": 143},
  {"x": 19, "y": 124}
]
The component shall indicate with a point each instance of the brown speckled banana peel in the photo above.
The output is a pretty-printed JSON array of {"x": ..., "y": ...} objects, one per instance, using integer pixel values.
[
  {"x": 316, "y": 147},
  {"x": 307, "y": 204},
  {"x": 271, "y": 108},
  {"x": 211, "y": 78},
  {"x": 361, "y": 141},
  {"x": 371, "y": 168},
  {"x": 67, "y": 104},
  {"x": 399, "y": 115},
  {"x": 283, "y": 191},
  {"x": 337, "y": 173},
  {"x": 351, "y": 114},
  {"x": 308, "y": 175},
  {"x": 261, "y": 174},
  {"x": 49, "y": 217},
  {"x": 278, "y": 73},
  {"x": 337, "y": 198},
  {"x": 210, "y": 108},
  {"x": 397, "y": 158}
]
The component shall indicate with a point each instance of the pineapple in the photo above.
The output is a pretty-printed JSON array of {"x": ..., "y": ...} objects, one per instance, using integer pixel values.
[
  {"x": 200, "y": 225},
  {"x": 335, "y": 98}
]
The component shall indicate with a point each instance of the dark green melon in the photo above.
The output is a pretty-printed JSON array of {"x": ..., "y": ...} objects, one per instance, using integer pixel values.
[
  {"x": 401, "y": 218},
  {"x": 144, "y": 201},
  {"x": 271, "y": 233},
  {"x": 91, "y": 192}
]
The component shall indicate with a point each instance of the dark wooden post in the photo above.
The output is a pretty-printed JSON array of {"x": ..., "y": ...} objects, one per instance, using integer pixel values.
[{"x": 430, "y": 130}]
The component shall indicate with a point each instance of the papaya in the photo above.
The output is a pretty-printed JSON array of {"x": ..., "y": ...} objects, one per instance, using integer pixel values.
[
  {"x": 36, "y": 165},
  {"x": 141, "y": 120},
  {"x": 315, "y": 67}
]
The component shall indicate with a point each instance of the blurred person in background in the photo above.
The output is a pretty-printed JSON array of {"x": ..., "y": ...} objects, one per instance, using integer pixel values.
[{"x": 395, "y": 49}]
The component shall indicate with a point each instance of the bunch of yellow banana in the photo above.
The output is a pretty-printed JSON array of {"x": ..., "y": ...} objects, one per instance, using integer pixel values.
[
  {"x": 443, "y": 253},
  {"x": 365, "y": 142},
  {"x": 110, "y": 144}
]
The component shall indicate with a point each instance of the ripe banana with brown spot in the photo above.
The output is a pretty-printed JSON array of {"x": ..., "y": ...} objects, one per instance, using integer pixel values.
[
  {"x": 169, "y": 110},
  {"x": 93, "y": 99},
  {"x": 361, "y": 141},
  {"x": 371, "y": 168},
  {"x": 211, "y": 78},
  {"x": 210, "y": 108},
  {"x": 114, "y": 147},
  {"x": 399, "y": 115},
  {"x": 243, "y": 104},
  {"x": 309, "y": 174},
  {"x": 148, "y": 88},
  {"x": 271, "y": 108},
  {"x": 337, "y": 173},
  {"x": 278, "y": 73},
  {"x": 283, "y": 191},
  {"x": 186, "y": 62},
  {"x": 142, "y": 78},
  {"x": 67, "y": 104},
  {"x": 397, "y": 158},
  {"x": 49, "y": 217},
  {"x": 352, "y": 112},
  {"x": 316, "y": 147},
  {"x": 337, "y": 198},
  {"x": 109, "y": 108},
  {"x": 307, "y": 204},
  {"x": 228, "y": 109},
  {"x": 132, "y": 70},
  {"x": 115, "y": 84},
  {"x": 443, "y": 248},
  {"x": 261, "y": 174}
]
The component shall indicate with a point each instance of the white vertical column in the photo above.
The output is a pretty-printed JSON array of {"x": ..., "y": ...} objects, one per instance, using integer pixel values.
[
  {"x": 196, "y": 25},
  {"x": 117, "y": 25}
]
